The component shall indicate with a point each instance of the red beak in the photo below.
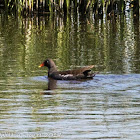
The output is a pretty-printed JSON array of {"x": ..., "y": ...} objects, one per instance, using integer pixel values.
[{"x": 41, "y": 65}]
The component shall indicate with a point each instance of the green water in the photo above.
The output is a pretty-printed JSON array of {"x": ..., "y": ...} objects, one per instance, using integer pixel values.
[{"x": 106, "y": 107}]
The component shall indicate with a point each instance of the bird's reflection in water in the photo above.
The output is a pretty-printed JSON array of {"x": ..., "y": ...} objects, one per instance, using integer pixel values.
[{"x": 52, "y": 84}]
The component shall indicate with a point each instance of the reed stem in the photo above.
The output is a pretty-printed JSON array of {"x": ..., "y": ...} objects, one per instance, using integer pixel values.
[{"x": 98, "y": 7}]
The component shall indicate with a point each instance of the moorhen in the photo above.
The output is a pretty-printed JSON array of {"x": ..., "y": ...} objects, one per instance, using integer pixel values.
[{"x": 80, "y": 73}]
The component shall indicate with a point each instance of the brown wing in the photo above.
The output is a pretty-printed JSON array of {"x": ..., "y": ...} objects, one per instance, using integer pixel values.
[{"x": 77, "y": 71}]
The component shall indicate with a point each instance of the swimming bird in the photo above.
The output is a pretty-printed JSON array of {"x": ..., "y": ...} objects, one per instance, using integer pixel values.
[{"x": 75, "y": 74}]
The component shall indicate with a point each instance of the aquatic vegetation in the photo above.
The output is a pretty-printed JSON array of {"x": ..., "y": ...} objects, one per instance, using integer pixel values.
[{"x": 63, "y": 7}]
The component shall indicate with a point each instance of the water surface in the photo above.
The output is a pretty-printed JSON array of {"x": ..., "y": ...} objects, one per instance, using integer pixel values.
[{"x": 33, "y": 107}]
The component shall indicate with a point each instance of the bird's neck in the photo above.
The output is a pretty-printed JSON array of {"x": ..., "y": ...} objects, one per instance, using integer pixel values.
[{"x": 52, "y": 70}]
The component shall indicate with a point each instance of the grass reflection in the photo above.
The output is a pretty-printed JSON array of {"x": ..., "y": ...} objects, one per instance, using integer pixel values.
[{"x": 75, "y": 41}]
